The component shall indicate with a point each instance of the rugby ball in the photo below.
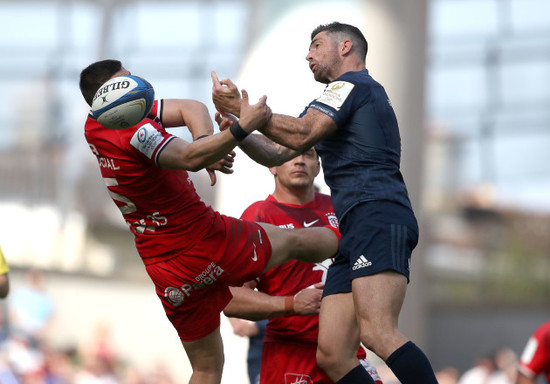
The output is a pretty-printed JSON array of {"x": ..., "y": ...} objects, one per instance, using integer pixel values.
[{"x": 123, "y": 102}]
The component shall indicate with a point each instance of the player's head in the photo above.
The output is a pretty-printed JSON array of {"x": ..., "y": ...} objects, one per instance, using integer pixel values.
[
  {"x": 340, "y": 32},
  {"x": 299, "y": 172},
  {"x": 94, "y": 75},
  {"x": 324, "y": 55}
]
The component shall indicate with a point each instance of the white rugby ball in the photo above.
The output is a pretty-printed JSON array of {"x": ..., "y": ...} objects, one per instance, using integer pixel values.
[{"x": 123, "y": 102}]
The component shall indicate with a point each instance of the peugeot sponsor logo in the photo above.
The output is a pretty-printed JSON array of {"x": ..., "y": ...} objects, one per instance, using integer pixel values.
[{"x": 209, "y": 276}]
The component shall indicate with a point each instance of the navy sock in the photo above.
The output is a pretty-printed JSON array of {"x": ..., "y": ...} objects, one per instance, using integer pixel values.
[
  {"x": 357, "y": 375},
  {"x": 410, "y": 365}
]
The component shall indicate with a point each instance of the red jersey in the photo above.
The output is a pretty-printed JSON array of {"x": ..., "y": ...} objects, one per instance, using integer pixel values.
[
  {"x": 290, "y": 341},
  {"x": 293, "y": 276},
  {"x": 176, "y": 218},
  {"x": 535, "y": 358},
  {"x": 192, "y": 253}
]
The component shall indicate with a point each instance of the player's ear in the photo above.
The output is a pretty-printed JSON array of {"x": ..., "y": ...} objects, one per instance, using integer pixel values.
[
  {"x": 273, "y": 171},
  {"x": 317, "y": 168}
]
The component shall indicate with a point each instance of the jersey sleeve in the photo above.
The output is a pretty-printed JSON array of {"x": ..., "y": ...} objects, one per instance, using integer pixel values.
[
  {"x": 150, "y": 139},
  {"x": 156, "y": 110},
  {"x": 336, "y": 101}
]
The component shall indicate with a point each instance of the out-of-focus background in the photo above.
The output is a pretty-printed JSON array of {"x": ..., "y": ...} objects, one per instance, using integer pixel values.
[{"x": 468, "y": 80}]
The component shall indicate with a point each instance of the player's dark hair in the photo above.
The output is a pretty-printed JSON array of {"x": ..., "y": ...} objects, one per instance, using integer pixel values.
[
  {"x": 346, "y": 31},
  {"x": 94, "y": 75}
]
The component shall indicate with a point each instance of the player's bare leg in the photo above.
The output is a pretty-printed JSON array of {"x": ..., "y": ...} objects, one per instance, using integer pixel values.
[
  {"x": 378, "y": 300},
  {"x": 206, "y": 357},
  {"x": 305, "y": 244},
  {"x": 339, "y": 340}
]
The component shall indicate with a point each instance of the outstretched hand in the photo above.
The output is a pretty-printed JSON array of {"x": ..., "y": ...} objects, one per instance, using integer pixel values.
[
  {"x": 253, "y": 116},
  {"x": 225, "y": 95}
]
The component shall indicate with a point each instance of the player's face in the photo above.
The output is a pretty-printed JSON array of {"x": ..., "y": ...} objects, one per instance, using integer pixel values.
[
  {"x": 300, "y": 171},
  {"x": 323, "y": 57}
]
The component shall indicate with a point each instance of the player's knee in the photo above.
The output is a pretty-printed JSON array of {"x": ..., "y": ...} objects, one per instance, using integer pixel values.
[
  {"x": 368, "y": 339},
  {"x": 326, "y": 360},
  {"x": 208, "y": 370}
]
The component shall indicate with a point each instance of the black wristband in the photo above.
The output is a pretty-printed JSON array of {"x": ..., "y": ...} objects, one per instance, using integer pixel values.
[
  {"x": 201, "y": 137},
  {"x": 238, "y": 132}
]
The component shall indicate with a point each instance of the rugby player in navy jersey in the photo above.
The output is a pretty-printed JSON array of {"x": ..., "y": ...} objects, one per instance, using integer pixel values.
[
  {"x": 290, "y": 294},
  {"x": 354, "y": 129}
]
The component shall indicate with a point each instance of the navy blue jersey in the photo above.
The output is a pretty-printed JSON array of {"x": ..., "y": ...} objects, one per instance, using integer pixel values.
[{"x": 361, "y": 160}]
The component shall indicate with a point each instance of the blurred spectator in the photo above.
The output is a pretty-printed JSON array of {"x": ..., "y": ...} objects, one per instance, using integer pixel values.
[
  {"x": 480, "y": 373},
  {"x": 506, "y": 363},
  {"x": 95, "y": 370},
  {"x": 31, "y": 308},
  {"x": 4, "y": 276},
  {"x": 447, "y": 375}
]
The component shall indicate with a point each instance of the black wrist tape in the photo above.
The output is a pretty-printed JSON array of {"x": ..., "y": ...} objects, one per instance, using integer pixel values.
[{"x": 238, "y": 132}]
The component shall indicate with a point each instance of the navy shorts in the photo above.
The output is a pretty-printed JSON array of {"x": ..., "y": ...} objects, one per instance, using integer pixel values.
[{"x": 376, "y": 236}]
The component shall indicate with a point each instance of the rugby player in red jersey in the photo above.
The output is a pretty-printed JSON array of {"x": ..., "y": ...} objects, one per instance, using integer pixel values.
[
  {"x": 535, "y": 359},
  {"x": 191, "y": 252},
  {"x": 288, "y": 292}
]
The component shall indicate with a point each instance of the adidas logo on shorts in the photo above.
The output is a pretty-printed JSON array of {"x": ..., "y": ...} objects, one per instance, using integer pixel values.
[{"x": 361, "y": 262}]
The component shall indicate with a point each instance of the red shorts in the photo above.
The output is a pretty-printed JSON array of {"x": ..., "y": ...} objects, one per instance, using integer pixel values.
[{"x": 194, "y": 287}]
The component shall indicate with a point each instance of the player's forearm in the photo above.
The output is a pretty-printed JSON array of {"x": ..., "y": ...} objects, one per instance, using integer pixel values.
[
  {"x": 266, "y": 152},
  {"x": 253, "y": 305},
  {"x": 179, "y": 154},
  {"x": 288, "y": 131}
]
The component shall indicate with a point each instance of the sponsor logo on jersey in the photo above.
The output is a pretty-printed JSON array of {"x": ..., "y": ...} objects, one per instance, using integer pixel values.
[
  {"x": 336, "y": 93},
  {"x": 296, "y": 378},
  {"x": 209, "y": 276},
  {"x": 306, "y": 225},
  {"x": 361, "y": 262},
  {"x": 146, "y": 139},
  {"x": 290, "y": 225}
]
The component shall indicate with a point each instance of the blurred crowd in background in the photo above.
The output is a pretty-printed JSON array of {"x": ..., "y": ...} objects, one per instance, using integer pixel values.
[{"x": 26, "y": 355}]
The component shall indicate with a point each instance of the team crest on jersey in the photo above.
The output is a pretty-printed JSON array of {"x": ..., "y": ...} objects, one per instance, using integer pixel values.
[
  {"x": 295, "y": 378},
  {"x": 336, "y": 93},
  {"x": 332, "y": 219}
]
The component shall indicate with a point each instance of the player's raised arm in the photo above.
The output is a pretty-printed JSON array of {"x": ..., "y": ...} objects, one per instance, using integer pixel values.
[
  {"x": 187, "y": 112},
  {"x": 299, "y": 134},
  {"x": 179, "y": 154}
]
